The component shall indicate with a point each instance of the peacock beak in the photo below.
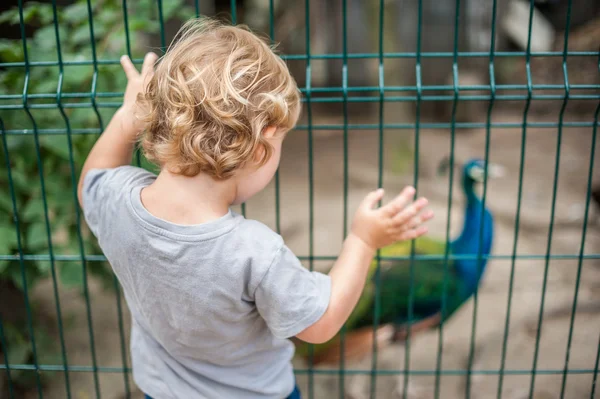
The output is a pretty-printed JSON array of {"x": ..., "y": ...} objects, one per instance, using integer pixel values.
[{"x": 496, "y": 171}]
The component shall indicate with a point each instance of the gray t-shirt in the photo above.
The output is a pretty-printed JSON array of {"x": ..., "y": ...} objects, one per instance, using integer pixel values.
[{"x": 212, "y": 304}]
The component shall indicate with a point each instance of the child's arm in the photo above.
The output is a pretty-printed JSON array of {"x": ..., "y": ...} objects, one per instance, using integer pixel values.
[
  {"x": 371, "y": 229},
  {"x": 115, "y": 146}
]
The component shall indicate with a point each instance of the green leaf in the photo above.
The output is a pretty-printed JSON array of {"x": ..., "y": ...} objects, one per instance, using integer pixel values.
[
  {"x": 109, "y": 17},
  {"x": 32, "y": 274},
  {"x": 76, "y": 76},
  {"x": 58, "y": 145},
  {"x": 81, "y": 35},
  {"x": 37, "y": 12},
  {"x": 44, "y": 40},
  {"x": 71, "y": 274},
  {"x": 16, "y": 143},
  {"x": 8, "y": 239},
  {"x": 10, "y": 16},
  {"x": 11, "y": 50},
  {"x": 33, "y": 211},
  {"x": 76, "y": 13},
  {"x": 20, "y": 179},
  {"x": 185, "y": 13},
  {"x": 143, "y": 25},
  {"x": 36, "y": 236},
  {"x": 5, "y": 201},
  {"x": 170, "y": 7}
]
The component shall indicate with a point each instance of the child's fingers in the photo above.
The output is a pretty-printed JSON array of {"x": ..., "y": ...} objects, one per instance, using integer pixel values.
[
  {"x": 416, "y": 221},
  {"x": 128, "y": 67},
  {"x": 372, "y": 199},
  {"x": 409, "y": 212},
  {"x": 148, "y": 66},
  {"x": 412, "y": 234},
  {"x": 398, "y": 203}
]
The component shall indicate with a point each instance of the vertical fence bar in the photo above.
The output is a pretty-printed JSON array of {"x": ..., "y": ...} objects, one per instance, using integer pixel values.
[
  {"x": 197, "y": 7},
  {"x": 128, "y": 48},
  {"x": 444, "y": 299},
  {"x": 553, "y": 206},
  {"x": 3, "y": 344},
  {"x": 377, "y": 304},
  {"x": 342, "y": 371},
  {"x": 95, "y": 62},
  {"x": 311, "y": 186},
  {"x": 597, "y": 363},
  {"x": 4, "y": 347},
  {"x": 411, "y": 293},
  {"x": 579, "y": 264},
  {"x": 233, "y": 6},
  {"x": 488, "y": 131},
  {"x": 277, "y": 183},
  {"x": 126, "y": 28},
  {"x": 116, "y": 284},
  {"x": 52, "y": 263},
  {"x": 518, "y": 211},
  {"x": 122, "y": 337},
  {"x": 82, "y": 250},
  {"x": 583, "y": 237},
  {"x": 161, "y": 20},
  {"x": 14, "y": 200}
]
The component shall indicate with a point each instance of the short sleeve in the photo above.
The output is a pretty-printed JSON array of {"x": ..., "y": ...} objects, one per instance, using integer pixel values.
[
  {"x": 104, "y": 189},
  {"x": 289, "y": 297}
]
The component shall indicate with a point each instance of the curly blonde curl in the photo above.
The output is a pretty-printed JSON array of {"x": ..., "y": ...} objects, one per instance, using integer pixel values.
[{"x": 211, "y": 96}]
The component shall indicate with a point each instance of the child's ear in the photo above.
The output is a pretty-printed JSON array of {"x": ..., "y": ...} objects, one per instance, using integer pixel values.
[{"x": 269, "y": 132}]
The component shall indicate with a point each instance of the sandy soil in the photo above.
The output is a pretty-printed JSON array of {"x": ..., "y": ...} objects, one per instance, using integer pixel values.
[{"x": 492, "y": 301}]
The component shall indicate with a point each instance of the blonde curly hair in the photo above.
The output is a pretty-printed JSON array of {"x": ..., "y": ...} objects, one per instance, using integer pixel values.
[{"x": 212, "y": 94}]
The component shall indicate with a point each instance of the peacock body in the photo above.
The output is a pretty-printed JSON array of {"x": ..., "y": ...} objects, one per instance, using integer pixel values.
[{"x": 432, "y": 280}]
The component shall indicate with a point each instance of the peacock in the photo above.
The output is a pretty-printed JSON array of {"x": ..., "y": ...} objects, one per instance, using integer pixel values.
[{"x": 463, "y": 277}]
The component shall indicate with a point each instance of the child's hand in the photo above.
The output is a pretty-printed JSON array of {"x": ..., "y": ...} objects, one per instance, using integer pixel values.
[
  {"x": 398, "y": 220},
  {"x": 135, "y": 85}
]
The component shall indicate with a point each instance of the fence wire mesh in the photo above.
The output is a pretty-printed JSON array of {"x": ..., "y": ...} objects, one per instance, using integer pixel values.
[{"x": 63, "y": 326}]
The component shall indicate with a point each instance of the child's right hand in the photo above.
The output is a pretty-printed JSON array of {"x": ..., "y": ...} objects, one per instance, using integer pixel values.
[
  {"x": 401, "y": 219},
  {"x": 136, "y": 82}
]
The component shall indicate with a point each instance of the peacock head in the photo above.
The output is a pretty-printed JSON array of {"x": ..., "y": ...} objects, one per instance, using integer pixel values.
[
  {"x": 473, "y": 173},
  {"x": 473, "y": 170}
]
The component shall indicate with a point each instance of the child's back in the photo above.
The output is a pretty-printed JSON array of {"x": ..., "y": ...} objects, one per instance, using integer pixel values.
[
  {"x": 194, "y": 292},
  {"x": 214, "y": 296}
]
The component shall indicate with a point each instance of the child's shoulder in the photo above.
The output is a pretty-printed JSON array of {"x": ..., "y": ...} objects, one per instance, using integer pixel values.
[
  {"x": 110, "y": 184},
  {"x": 119, "y": 176},
  {"x": 258, "y": 231},
  {"x": 258, "y": 237},
  {"x": 114, "y": 181}
]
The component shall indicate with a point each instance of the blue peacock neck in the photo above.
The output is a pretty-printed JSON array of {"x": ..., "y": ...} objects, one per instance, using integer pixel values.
[{"x": 468, "y": 243}]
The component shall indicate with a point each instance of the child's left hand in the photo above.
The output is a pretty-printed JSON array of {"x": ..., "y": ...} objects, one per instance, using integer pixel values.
[{"x": 135, "y": 84}]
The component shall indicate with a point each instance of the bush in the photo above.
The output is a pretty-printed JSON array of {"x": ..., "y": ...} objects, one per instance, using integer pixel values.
[{"x": 61, "y": 119}]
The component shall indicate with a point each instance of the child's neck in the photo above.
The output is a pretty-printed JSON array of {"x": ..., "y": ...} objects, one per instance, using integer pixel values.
[{"x": 188, "y": 200}]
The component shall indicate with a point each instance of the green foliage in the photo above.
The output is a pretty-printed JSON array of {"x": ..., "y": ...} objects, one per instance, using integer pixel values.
[{"x": 47, "y": 217}]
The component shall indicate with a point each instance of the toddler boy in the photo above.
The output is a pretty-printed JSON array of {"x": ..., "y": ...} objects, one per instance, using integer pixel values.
[{"x": 214, "y": 296}]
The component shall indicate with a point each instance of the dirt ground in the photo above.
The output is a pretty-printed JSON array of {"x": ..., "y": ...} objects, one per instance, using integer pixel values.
[{"x": 492, "y": 301}]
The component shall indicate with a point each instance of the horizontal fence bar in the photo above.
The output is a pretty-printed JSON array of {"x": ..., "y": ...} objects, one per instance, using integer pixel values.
[
  {"x": 334, "y": 56},
  {"x": 357, "y": 99},
  {"x": 102, "y": 258},
  {"x": 363, "y": 126},
  {"x": 447, "y": 372},
  {"x": 356, "y": 89}
]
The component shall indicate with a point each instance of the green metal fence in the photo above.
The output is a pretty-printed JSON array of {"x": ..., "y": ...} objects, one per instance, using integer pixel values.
[{"x": 60, "y": 82}]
